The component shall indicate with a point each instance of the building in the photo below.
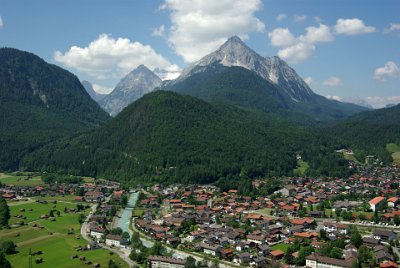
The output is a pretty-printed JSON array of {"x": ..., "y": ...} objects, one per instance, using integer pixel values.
[
  {"x": 385, "y": 235},
  {"x": 164, "y": 262},
  {"x": 376, "y": 203},
  {"x": 210, "y": 249},
  {"x": 393, "y": 201},
  {"x": 96, "y": 231},
  {"x": 316, "y": 260},
  {"x": 114, "y": 240}
]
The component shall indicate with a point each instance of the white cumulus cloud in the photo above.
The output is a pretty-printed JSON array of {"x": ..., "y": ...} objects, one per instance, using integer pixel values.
[
  {"x": 333, "y": 81},
  {"x": 101, "y": 89},
  {"x": 281, "y": 17},
  {"x": 389, "y": 70},
  {"x": 201, "y": 26},
  {"x": 299, "y": 18},
  {"x": 107, "y": 57},
  {"x": 1, "y": 22},
  {"x": 353, "y": 26},
  {"x": 337, "y": 98},
  {"x": 318, "y": 34},
  {"x": 281, "y": 37},
  {"x": 298, "y": 49}
]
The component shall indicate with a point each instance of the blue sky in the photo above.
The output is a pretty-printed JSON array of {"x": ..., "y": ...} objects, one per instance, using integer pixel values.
[{"x": 345, "y": 49}]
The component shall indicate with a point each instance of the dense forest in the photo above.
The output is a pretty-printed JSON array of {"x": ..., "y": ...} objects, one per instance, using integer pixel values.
[
  {"x": 173, "y": 138},
  {"x": 40, "y": 102}
]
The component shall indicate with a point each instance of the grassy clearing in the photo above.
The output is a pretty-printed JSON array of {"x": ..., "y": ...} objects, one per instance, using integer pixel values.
[
  {"x": 21, "y": 180},
  {"x": 302, "y": 167},
  {"x": 65, "y": 198},
  {"x": 282, "y": 246},
  {"x": 34, "y": 210},
  {"x": 395, "y": 150},
  {"x": 53, "y": 239},
  {"x": 392, "y": 148}
]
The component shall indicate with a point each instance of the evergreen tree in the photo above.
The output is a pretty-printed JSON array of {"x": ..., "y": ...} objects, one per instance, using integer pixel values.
[
  {"x": 4, "y": 212},
  {"x": 4, "y": 263}
]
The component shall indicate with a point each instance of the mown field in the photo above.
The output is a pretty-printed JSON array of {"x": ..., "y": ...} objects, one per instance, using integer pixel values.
[
  {"x": 25, "y": 180},
  {"x": 58, "y": 240},
  {"x": 395, "y": 150}
]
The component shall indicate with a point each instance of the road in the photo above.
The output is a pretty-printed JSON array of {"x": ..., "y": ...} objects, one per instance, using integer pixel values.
[{"x": 123, "y": 254}]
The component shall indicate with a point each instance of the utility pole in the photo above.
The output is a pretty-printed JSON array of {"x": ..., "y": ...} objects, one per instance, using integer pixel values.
[{"x": 30, "y": 258}]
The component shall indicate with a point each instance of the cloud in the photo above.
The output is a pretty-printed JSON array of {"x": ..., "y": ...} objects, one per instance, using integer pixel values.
[
  {"x": 281, "y": 37},
  {"x": 160, "y": 31},
  {"x": 381, "y": 102},
  {"x": 281, "y": 17},
  {"x": 101, "y": 89},
  {"x": 298, "y": 49},
  {"x": 299, "y": 18},
  {"x": 389, "y": 70},
  {"x": 297, "y": 53},
  {"x": 352, "y": 27},
  {"x": 333, "y": 81},
  {"x": 337, "y": 98},
  {"x": 201, "y": 26},
  {"x": 106, "y": 57},
  {"x": 317, "y": 19},
  {"x": 1, "y": 22},
  {"x": 393, "y": 27},
  {"x": 309, "y": 81}
]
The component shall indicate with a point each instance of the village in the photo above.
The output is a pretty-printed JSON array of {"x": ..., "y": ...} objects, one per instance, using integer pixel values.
[{"x": 305, "y": 222}]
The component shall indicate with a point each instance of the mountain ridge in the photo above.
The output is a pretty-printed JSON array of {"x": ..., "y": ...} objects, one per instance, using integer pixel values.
[{"x": 131, "y": 87}]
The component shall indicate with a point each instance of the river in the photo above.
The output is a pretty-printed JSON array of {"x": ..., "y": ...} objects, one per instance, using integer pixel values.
[{"x": 126, "y": 215}]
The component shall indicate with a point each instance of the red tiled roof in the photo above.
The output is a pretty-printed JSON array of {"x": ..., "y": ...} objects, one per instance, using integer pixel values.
[{"x": 376, "y": 200}]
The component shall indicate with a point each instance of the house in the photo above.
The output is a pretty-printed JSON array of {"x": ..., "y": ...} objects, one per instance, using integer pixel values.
[
  {"x": 94, "y": 196},
  {"x": 210, "y": 249},
  {"x": 288, "y": 190},
  {"x": 387, "y": 264},
  {"x": 331, "y": 227},
  {"x": 96, "y": 231},
  {"x": 316, "y": 260},
  {"x": 393, "y": 201},
  {"x": 115, "y": 240},
  {"x": 381, "y": 234},
  {"x": 162, "y": 262},
  {"x": 277, "y": 254},
  {"x": 376, "y": 203},
  {"x": 257, "y": 239},
  {"x": 242, "y": 258}
]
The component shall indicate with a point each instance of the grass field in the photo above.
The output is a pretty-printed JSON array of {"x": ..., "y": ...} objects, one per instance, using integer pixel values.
[
  {"x": 53, "y": 239},
  {"x": 281, "y": 246},
  {"x": 395, "y": 150},
  {"x": 9, "y": 179},
  {"x": 38, "y": 209},
  {"x": 302, "y": 167}
]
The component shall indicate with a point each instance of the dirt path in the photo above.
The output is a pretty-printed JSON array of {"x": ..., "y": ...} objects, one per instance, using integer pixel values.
[{"x": 37, "y": 239}]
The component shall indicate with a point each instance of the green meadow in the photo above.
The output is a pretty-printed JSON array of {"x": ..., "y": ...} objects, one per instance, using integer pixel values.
[{"x": 58, "y": 240}]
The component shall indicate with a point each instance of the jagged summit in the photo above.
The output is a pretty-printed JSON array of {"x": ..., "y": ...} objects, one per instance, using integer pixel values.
[
  {"x": 133, "y": 86},
  {"x": 234, "y": 52}
]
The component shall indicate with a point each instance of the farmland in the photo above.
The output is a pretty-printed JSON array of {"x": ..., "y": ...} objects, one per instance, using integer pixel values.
[{"x": 58, "y": 239}]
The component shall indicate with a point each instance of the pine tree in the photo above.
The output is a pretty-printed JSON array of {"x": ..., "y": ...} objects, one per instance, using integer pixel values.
[{"x": 4, "y": 212}]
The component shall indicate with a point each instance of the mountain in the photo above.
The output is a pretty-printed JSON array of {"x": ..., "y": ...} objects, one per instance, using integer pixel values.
[
  {"x": 167, "y": 137},
  {"x": 132, "y": 87},
  {"x": 39, "y": 102},
  {"x": 208, "y": 75},
  {"x": 93, "y": 94},
  {"x": 369, "y": 132}
]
